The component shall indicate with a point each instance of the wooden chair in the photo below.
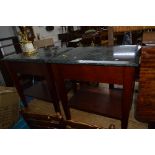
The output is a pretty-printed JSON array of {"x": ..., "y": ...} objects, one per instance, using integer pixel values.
[{"x": 8, "y": 46}]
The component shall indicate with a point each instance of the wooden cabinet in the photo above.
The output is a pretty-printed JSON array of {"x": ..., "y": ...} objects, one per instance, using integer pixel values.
[{"x": 145, "y": 109}]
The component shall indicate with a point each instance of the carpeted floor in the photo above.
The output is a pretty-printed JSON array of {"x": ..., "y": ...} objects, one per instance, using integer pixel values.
[{"x": 42, "y": 107}]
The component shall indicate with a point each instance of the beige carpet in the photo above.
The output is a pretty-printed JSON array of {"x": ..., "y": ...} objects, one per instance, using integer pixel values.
[{"x": 42, "y": 107}]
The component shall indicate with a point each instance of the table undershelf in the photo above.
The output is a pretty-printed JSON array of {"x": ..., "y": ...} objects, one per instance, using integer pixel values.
[
  {"x": 39, "y": 90},
  {"x": 101, "y": 101}
]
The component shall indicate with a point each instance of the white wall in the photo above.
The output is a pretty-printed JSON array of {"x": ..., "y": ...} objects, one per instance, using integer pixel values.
[{"x": 41, "y": 31}]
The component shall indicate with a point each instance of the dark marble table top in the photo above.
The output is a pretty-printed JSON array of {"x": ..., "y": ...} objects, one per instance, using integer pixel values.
[
  {"x": 42, "y": 55},
  {"x": 123, "y": 55}
]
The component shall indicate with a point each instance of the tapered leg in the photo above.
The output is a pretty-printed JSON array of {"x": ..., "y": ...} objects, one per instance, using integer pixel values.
[
  {"x": 61, "y": 89},
  {"x": 128, "y": 89}
]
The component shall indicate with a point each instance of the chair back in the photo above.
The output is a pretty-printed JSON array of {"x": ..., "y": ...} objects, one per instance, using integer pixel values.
[{"x": 8, "y": 46}]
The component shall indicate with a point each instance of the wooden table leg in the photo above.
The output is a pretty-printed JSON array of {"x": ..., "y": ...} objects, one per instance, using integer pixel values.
[
  {"x": 52, "y": 90},
  {"x": 61, "y": 89},
  {"x": 128, "y": 89},
  {"x": 64, "y": 99}
]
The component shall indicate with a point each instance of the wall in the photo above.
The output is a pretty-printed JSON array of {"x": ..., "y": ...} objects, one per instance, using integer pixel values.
[{"x": 41, "y": 31}]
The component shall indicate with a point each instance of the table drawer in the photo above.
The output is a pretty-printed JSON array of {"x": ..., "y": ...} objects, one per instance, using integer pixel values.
[{"x": 103, "y": 74}]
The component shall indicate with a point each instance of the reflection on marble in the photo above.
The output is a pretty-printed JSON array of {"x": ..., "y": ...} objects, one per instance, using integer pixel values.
[
  {"x": 128, "y": 54},
  {"x": 102, "y": 62}
]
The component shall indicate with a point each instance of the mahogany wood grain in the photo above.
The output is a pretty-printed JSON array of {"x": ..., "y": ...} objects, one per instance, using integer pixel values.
[
  {"x": 92, "y": 73},
  {"x": 145, "y": 108}
]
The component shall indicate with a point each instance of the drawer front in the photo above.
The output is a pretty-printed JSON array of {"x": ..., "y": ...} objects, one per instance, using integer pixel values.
[
  {"x": 28, "y": 68},
  {"x": 104, "y": 74}
]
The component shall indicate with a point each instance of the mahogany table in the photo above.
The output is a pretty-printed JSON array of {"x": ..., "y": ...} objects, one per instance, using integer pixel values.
[{"x": 114, "y": 65}]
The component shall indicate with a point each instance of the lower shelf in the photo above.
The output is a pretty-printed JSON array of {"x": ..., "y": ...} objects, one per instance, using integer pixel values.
[
  {"x": 40, "y": 91},
  {"x": 101, "y": 101}
]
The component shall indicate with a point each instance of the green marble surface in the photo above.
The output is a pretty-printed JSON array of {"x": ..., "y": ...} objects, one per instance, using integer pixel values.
[
  {"x": 42, "y": 55},
  {"x": 123, "y": 55}
]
